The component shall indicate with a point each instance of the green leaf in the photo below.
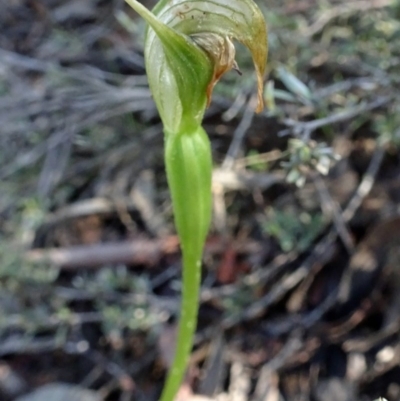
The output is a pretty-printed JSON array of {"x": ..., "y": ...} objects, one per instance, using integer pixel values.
[
  {"x": 294, "y": 84},
  {"x": 188, "y": 163}
]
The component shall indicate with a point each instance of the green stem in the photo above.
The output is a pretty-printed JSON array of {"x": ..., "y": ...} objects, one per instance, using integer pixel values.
[
  {"x": 187, "y": 326},
  {"x": 188, "y": 164}
]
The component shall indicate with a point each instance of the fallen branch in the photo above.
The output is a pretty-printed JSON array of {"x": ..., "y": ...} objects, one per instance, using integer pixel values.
[
  {"x": 300, "y": 127},
  {"x": 145, "y": 252},
  {"x": 138, "y": 252},
  {"x": 344, "y": 9}
]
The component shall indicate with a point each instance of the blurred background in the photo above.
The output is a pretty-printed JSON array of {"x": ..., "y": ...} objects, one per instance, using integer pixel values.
[{"x": 301, "y": 279}]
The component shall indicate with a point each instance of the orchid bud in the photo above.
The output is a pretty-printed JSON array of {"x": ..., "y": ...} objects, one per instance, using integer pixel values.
[{"x": 189, "y": 46}]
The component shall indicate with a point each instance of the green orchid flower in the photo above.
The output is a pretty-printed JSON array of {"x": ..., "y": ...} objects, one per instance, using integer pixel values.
[{"x": 189, "y": 46}]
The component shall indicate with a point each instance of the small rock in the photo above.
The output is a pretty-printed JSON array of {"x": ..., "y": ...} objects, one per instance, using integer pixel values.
[
  {"x": 61, "y": 392},
  {"x": 334, "y": 389}
]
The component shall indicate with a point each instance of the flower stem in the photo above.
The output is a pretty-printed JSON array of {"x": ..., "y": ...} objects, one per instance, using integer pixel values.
[
  {"x": 188, "y": 164},
  {"x": 187, "y": 326}
]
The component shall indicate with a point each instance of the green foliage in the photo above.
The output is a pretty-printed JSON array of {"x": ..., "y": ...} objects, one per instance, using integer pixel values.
[
  {"x": 292, "y": 231},
  {"x": 254, "y": 162},
  {"x": 387, "y": 127},
  {"x": 306, "y": 156},
  {"x": 235, "y": 303},
  {"x": 295, "y": 85}
]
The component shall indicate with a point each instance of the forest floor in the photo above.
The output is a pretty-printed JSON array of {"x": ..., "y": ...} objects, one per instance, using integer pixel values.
[{"x": 301, "y": 280}]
